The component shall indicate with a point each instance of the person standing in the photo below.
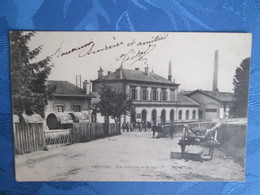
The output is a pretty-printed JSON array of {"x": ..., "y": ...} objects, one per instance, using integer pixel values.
[
  {"x": 139, "y": 125},
  {"x": 172, "y": 130},
  {"x": 127, "y": 127},
  {"x": 145, "y": 126}
]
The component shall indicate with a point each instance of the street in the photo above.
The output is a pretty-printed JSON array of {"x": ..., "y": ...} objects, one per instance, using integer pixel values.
[{"x": 132, "y": 156}]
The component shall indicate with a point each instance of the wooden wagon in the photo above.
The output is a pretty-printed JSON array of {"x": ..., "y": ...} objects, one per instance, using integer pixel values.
[{"x": 207, "y": 140}]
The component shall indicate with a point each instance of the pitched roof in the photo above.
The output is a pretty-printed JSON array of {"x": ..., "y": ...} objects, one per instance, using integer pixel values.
[
  {"x": 184, "y": 100},
  {"x": 65, "y": 88},
  {"x": 220, "y": 96},
  {"x": 138, "y": 75}
]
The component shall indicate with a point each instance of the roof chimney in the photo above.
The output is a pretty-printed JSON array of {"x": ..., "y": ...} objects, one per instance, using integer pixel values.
[
  {"x": 108, "y": 72},
  {"x": 85, "y": 86},
  {"x": 170, "y": 71},
  {"x": 119, "y": 73},
  {"x": 100, "y": 73},
  {"x": 215, "y": 73},
  {"x": 146, "y": 70}
]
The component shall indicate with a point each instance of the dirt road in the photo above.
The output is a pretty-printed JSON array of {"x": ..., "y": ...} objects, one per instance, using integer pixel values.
[{"x": 132, "y": 156}]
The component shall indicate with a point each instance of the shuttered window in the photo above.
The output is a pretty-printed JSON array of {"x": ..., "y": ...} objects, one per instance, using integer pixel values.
[
  {"x": 144, "y": 94},
  {"x": 172, "y": 95},
  {"x": 155, "y": 95},
  {"x": 163, "y": 95},
  {"x": 132, "y": 94}
]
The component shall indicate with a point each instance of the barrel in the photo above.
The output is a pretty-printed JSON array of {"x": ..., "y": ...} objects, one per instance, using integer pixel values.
[
  {"x": 34, "y": 118},
  {"x": 15, "y": 118},
  {"x": 59, "y": 120},
  {"x": 79, "y": 117}
]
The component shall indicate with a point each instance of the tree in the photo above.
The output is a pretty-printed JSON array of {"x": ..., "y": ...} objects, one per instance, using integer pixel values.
[
  {"x": 113, "y": 103},
  {"x": 241, "y": 85},
  {"x": 29, "y": 89}
]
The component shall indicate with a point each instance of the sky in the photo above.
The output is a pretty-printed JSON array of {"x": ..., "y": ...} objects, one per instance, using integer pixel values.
[{"x": 191, "y": 55}]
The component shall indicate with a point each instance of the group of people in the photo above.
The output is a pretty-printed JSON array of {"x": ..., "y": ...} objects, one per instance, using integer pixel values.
[
  {"x": 147, "y": 126},
  {"x": 136, "y": 126}
]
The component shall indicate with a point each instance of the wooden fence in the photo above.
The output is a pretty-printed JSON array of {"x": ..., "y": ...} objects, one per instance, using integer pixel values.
[
  {"x": 31, "y": 136},
  {"x": 28, "y": 137},
  {"x": 83, "y": 132}
]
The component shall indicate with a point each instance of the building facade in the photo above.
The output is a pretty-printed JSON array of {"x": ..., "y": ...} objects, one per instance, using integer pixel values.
[
  {"x": 213, "y": 104},
  {"x": 156, "y": 99},
  {"x": 68, "y": 98}
]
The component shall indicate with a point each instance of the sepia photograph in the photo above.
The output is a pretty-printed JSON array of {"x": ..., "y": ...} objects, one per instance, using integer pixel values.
[{"x": 129, "y": 106}]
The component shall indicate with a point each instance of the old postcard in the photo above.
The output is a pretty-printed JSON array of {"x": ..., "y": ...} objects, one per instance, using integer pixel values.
[{"x": 129, "y": 106}]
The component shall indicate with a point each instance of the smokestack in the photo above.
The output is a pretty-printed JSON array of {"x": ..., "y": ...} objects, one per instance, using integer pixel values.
[
  {"x": 100, "y": 73},
  {"x": 215, "y": 73},
  {"x": 170, "y": 71},
  {"x": 78, "y": 81}
]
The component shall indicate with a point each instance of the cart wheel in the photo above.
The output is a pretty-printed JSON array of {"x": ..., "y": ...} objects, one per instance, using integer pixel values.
[
  {"x": 211, "y": 151},
  {"x": 182, "y": 150}
]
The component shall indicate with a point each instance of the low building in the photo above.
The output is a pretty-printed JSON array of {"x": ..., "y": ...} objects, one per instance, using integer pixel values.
[
  {"x": 213, "y": 104},
  {"x": 156, "y": 99},
  {"x": 67, "y": 97}
]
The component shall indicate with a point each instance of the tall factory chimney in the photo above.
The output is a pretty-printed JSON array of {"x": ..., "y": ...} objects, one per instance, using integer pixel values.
[
  {"x": 170, "y": 71},
  {"x": 215, "y": 73}
]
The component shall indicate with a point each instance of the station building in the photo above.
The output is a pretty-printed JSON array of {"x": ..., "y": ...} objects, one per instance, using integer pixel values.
[{"x": 155, "y": 98}]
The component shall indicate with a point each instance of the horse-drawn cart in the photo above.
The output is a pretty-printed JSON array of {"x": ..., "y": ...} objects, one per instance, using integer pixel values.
[{"x": 207, "y": 139}]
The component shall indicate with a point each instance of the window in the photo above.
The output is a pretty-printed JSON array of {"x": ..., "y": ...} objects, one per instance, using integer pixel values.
[
  {"x": 144, "y": 91},
  {"x": 133, "y": 93},
  {"x": 154, "y": 116},
  {"x": 187, "y": 114},
  {"x": 163, "y": 116},
  {"x": 154, "y": 95},
  {"x": 94, "y": 117},
  {"x": 144, "y": 114},
  {"x": 76, "y": 108},
  {"x": 211, "y": 110},
  {"x": 180, "y": 115},
  {"x": 133, "y": 117},
  {"x": 194, "y": 114},
  {"x": 200, "y": 114},
  {"x": 163, "y": 95},
  {"x": 59, "y": 108},
  {"x": 172, "y": 116},
  {"x": 172, "y": 98}
]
